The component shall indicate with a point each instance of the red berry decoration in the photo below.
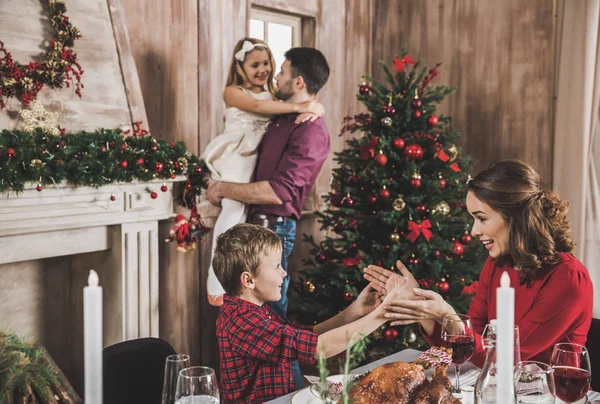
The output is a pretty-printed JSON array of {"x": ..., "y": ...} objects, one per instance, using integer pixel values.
[
  {"x": 442, "y": 183},
  {"x": 124, "y": 164},
  {"x": 11, "y": 153},
  {"x": 164, "y": 188},
  {"x": 39, "y": 187},
  {"x": 140, "y": 161},
  {"x": 414, "y": 104},
  {"x": 153, "y": 195},
  {"x": 384, "y": 194},
  {"x": 372, "y": 199},
  {"x": 390, "y": 334},
  {"x": 381, "y": 159},
  {"x": 416, "y": 114},
  {"x": 389, "y": 110},
  {"x": 113, "y": 197},
  {"x": 154, "y": 147},
  {"x": 198, "y": 169},
  {"x": 444, "y": 287},
  {"x": 458, "y": 248},
  {"x": 348, "y": 296},
  {"x": 124, "y": 146},
  {"x": 158, "y": 167},
  {"x": 413, "y": 152},
  {"x": 432, "y": 120},
  {"x": 466, "y": 238},
  {"x": 398, "y": 143}
]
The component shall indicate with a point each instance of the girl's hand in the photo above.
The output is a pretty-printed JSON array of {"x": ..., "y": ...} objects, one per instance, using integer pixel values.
[
  {"x": 367, "y": 301},
  {"x": 312, "y": 106},
  {"x": 385, "y": 281},
  {"x": 425, "y": 305},
  {"x": 306, "y": 116}
]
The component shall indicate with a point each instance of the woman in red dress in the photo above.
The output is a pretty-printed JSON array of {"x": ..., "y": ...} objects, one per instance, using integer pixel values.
[{"x": 525, "y": 230}]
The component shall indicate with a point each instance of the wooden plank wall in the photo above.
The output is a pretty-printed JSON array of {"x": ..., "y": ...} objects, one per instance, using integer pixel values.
[{"x": 499, "y": 55}]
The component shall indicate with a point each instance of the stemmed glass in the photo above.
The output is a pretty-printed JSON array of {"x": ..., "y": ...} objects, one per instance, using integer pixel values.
[
  {"x": 197, "y": 385},
  {"x": 572, "y": 371},
  {"x": 534, "y": 383},
  {"x": 457, "y": 333},
  {"x": 173, "y": 365}
]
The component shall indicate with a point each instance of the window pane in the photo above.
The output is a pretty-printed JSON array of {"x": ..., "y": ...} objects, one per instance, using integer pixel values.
[
  {"x": 257, "y": 29},
  {"x": 280, "y": 41}
]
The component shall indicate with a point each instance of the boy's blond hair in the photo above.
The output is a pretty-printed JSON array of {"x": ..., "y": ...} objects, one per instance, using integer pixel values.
[{"x": 241, "y": 249}]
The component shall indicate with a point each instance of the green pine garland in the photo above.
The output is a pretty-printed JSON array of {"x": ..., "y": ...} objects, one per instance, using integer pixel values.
[{"x": 95, "y": 159}]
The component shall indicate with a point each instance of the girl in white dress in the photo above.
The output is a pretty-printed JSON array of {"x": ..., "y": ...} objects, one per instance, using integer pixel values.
[{"x": 231, "y": 156}]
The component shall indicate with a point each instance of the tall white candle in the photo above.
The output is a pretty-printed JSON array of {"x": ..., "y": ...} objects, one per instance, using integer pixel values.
[
  {"x": 505, "y": 340},
  {"x": 92, "y": 343}
]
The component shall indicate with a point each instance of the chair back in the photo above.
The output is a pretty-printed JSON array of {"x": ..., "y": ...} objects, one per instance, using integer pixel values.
[
  {"x": 593, "y": 347},
  {"x": 134, "y": 371}
]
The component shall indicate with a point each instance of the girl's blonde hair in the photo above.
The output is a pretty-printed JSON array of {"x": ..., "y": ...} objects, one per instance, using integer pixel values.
[{"x": 237, "y": 76}]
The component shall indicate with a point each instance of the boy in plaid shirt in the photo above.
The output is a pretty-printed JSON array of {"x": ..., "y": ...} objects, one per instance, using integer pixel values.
[{"x": 256, "y": 346}]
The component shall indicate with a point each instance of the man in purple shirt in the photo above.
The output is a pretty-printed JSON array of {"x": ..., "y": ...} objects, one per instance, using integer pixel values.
[{"x": 290, "y": 157}]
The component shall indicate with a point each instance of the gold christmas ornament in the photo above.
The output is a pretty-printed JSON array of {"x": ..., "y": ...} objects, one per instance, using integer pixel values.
[
  {"x": 441, "y": 208},
  {"x": 395, "y": 237},
  {"x": 37, "y": 117},
  {"x": 452, "y": 152},
  {"x": 399, "y": 203},
  {"x": 386, "y": 121},
  {"x": 309, "y": 286},
  {"x": 412, "y": 337}
]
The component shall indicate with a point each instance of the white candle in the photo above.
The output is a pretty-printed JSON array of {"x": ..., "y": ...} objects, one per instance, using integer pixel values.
[
  {"x": 92, "y": 343},
  {"x": 505, "y": 340}
]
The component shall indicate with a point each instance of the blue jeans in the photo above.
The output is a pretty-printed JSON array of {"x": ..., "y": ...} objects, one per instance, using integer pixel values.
[{"x": 286, "y": 231}]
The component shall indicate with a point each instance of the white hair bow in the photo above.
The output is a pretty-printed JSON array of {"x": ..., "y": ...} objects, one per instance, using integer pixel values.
[{"x": 246, "y": 47}]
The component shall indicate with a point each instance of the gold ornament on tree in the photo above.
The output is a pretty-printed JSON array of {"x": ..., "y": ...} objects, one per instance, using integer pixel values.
[
  {"x": 37, "y": 117},
  {"x": 441, "y": 208},
  {"x": 399, "y": 203},
  {"x": 309, "y": 286},
  {"x": 412, "y": 337},
  {"x": 452, "y": 152},
  {"x": 395, "y": 237}
]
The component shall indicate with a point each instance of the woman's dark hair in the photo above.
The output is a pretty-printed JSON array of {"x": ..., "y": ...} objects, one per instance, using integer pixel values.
[{"x": 537, "y": 218}]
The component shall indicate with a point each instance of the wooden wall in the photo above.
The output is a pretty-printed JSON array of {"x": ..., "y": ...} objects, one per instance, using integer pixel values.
[{"x": 499, "y": 55}]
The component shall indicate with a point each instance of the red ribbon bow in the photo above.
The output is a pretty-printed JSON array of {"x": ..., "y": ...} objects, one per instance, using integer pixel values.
[
  {"x": 350, "y": 262},
  {"x": 400, "y": 64},
  {"x": 417, "y": 229},
  {"x": 367, "y": 151}
]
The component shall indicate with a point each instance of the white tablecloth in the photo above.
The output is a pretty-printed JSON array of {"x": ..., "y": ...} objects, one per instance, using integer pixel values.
[{"x": 468, "y": 371}]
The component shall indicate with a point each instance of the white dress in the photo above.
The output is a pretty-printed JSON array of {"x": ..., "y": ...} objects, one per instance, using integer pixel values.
[{"x": 231, "y": 157}]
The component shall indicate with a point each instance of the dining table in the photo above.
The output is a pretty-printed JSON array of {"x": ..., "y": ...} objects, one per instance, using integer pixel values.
[{"x": 468, "y": 377}]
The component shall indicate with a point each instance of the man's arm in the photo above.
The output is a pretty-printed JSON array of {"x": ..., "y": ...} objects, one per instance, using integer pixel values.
[{"x": 256, "y": 193}]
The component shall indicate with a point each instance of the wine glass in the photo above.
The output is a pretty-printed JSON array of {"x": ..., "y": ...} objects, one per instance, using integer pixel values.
[
  {"x": 572, "y": 371},
  {"x": 173, "y": 365},
  {"x": 534, "y": 383},
  {"x": 457, "y": 333},
  {"x": 197, "y": 385}
]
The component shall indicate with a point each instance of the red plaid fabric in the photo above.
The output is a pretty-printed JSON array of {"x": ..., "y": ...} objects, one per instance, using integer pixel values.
[{"x": 256, "y": 347}]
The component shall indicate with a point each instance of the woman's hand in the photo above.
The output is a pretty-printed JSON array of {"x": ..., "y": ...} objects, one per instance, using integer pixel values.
[
  {"x": 367, "y": 301},
  {"x": 425, "y": 305},
  {"x": 385, "y": 281}
]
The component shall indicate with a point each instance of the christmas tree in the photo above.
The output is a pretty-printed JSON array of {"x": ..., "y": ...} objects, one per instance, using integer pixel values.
[{"x": 398, "y": 192}]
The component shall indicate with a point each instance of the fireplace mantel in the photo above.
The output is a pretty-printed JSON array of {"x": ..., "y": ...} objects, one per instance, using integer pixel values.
[{"x": 68, "y": 220}]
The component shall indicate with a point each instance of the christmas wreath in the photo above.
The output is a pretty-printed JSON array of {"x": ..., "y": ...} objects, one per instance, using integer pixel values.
[{"x": 59, "y": 66}]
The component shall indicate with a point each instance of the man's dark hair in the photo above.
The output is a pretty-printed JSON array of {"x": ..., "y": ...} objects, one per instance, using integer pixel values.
[{"x": 311, "y": 65}]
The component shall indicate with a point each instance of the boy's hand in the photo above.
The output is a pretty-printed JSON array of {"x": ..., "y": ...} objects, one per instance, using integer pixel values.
[{"x": 367, "y": 301}]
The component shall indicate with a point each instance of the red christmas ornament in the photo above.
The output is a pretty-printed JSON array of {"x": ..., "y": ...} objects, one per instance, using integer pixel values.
[
  {"x": 364, "y": 89},
  {"x": 347, "y": 202},
  {"x": 389, "y": 110},
  {"x": 437, "y": 254},
  {"x": 140, "y": 161},
  {"x": 158, "y": 167},
  {"x": 442, "y": 183},
  {"x": 424, "y": 283},
  {"x": 153, "y": 195},
  {"x": 124, "y": 146},
  {"x": 466, "y": 238},
  {"x": 164, "y": 188},
  {"x": 390, "y": 334},
  {"x": 112, "y": 144},
  {"x": 354, "y": 179},
  {"x": 102, "y": 148},
  {"x": 415, "y": 180},
  {"x": 413, "y": 260},
  {"x": 414, "y": 104},
  {"x": 348, "y": 296},
  {"x": 398, "y": 143},
  {"x": 444, "y": 287},
  {"x": 381, "y": 159},
  {"x": 113, "y": 197},
  {"x": 39, "y": 187},
  {"x": 416, "y": 114},
  {"x": 173, "y": 176},
  {"x": 413, "y": 152},
  {"x": 432, "y": 120},
  {"x": 11, "y": 153},
  {"x": 124, "y": 164},
  {"x": 336, "y": 200},
  {"x": 154, "y": 147},
  {"x": 421, "y": 208},
  {"x": 198, "y": 169},
  {"x": 320, "y": 258},
  {"x": 458, "y": 248},
  {"x": 384, "y": 194},
  {"x": 372, "y": 199}
]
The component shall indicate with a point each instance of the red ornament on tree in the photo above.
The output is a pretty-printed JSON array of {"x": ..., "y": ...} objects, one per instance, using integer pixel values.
[
  {"x": 413, "y": 152},
  {"x": 197, "y": 169},
  {"x": 432, "y": 120},
  {"x": 413, "y": 260},
  {"x": 442, "y": 183},
  {"x": 124, "y": 164},
  {"x": 458, "y": 248},
  {"x": 416, "y": 114},
  {"x": 336, "y": 200},
  {"x": 320, "y": 258},
  {"x": 354, "y": 179},
  {"x": 158, "y": 167},
  {"x": 414, "y": 104},
  {"x": 437, "y": 254},
  {"x": 164, "y": 188},
  {"x": 398, "y": 143},
  {"x": 415, "y": 180},
  {"x": 390, "y": 334},
  {"x": 347, "y": 202},
  {"x": 113, "y": 197},
  {"x": 389, "y": 110},
  {"x": 421, "y": 208},
  {"x": 153, "y": 195},
  {"x": 11, "y": 153},
  {"x": 381, "y": 159},
  {"x": 173, "y": 176},
  {"x": 154, "y": 147},
  {"x": 364, "y": 89},
  {"x": 124, "y": 146},
  {"x": 372, "y": 199},
  {"x": 348, "y": 296},
  {"x": 102, "y": 148},
  {"x": 384, "y": 194},
  {"x": 466, "y": 238},
  {"x": 140, "y": 161},
  {"x": 444, "y": 286},
  {"x": 39, "y": 187}
]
